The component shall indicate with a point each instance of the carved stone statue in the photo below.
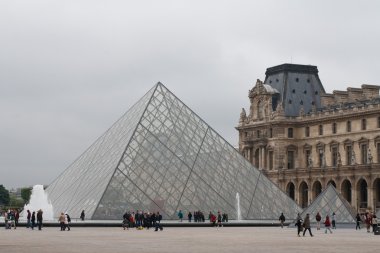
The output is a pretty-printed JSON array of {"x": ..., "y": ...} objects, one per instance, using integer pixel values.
[
  {"x": 353, "y": 159},
  {"x": 243, "y": 116},
  {"x": 323, "y": 159},
  {"x": 339, "y": 158},
  {"x": 309, "y": 161},
  {"x": 302, "y": 112},
  {"x": 369, "y": 157}
]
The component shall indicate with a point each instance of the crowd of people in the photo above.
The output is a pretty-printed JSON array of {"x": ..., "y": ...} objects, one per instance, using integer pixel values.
[
  {"x": 33, "y": 219},
  {"x": 141, "y": 220},
  {"x": 369, "y": 219}
]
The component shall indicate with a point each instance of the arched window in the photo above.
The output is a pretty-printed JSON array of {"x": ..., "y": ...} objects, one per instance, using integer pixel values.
[
  {"x": 346, "y": 190},
  {"x": 260, "y": 110},
  {"x": 290, "y": 189},
  {"x": 303, "y": 193},
  {"x": 362, "y": 193}
]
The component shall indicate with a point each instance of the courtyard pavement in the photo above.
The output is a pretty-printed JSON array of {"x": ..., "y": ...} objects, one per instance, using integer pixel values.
[{"x": 182, "y": 239}]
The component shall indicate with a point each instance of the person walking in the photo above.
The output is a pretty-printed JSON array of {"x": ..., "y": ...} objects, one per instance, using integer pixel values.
[
  {"x": 358, "y": 220},
  {"x": 299, "y": 224},
  {"x": 282, "y": 220},
  {"x": 33, "y": 219},
  {"x": 61, "y": 221},
  {"x": 67, "y": 221},
  {"x": 39, "y": 219},
  {"x": 374, "y": 223},
  {"x": 327, "y": 224},
  {"x": 180, "y": 215},
  {"x": 82, "y": 215},
  {"x": 28, "y": 217},
  {"x": 306, "y": 225},
  {"x": 318, "y": 218},
  {"x": 333, "y": 221}
]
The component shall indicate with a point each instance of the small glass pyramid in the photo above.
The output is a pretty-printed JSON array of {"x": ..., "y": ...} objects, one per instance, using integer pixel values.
[
  {"x": 328, "y": 202},
  {"x": 160, "y": 156}
]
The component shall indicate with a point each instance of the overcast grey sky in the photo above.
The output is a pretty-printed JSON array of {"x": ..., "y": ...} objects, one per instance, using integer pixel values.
[{"x": 70, "y": 69}]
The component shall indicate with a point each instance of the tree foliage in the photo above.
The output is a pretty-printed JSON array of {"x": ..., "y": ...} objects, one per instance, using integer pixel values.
[
  {"x": 4, "y": 196},
  {"x": 25, "y": 193}
]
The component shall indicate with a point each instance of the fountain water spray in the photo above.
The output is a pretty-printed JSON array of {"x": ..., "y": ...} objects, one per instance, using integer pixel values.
[
  {"x": 39, "y": 200},
  {"x": 238, "y": 211}
]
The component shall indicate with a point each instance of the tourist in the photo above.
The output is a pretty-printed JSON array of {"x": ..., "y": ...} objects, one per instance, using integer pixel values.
[
  {"x": 39, "y": 219},
  {"x": 299, "y": 224},
  {"x": 126, "y": 221},
  {"x": 82, "y": 215},
  {"x": 28, "y": 216},
  {"x": 368, "y": 221},
  {"x": 213, "y": 219},
  {"x": 358, "y": 220},
  {"x": 282, "y": 220},
  {"x": 61, "y": 221},
  {"x": 33, "y": 220},
  {"x": 306, "y": 225},
  {"x": 333, "y": 221},
  {"x": 180, "y": 215},
  {"x": 374, "y": 223},
  {"x": 327, "y": 224},
  {"x": 67, "y": 221},
  {"x": 318, "y": 218},
  {"x": 17, "y": 217},
  {"x": 219, "y": 219},
  {"x": 189, "y": 216}
]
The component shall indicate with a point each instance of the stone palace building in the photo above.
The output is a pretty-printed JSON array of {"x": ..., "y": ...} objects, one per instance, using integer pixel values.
[{"x": 303, "y": 138}]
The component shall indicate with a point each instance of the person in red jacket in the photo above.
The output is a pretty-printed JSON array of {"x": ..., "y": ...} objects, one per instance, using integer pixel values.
[{"x": 327, "y": 224}]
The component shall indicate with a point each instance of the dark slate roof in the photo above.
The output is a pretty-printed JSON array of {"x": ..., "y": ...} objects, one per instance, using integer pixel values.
[{"x": 298, "y": 85}]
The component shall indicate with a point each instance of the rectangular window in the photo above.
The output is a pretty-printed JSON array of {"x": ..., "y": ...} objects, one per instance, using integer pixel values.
[
  {"x": 290, "y": 132},
  {"x": 320, "y": 127},
  {"x": 348, "y": 126},
  {"x": 349, "y": 155},
  {"x": 307, "y": 131},
  {"x": 271, "y": 160},
  {"x": 378, "y": 152},
  {"x": 363, "y": 152},
  {"x": 334, "y": 128},
  {"x": 378, "y": 122},
  {"x": 290, "y": 159},
  {"x": 334, "y": 156},
  {"x": 364, "y": 124},
  {"x": 258, "y": 133},
  {"x": 270, "y": 132}
]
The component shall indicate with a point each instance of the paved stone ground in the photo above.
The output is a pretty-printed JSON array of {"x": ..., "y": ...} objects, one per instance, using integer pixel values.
[{"x": 183, "y": 240}]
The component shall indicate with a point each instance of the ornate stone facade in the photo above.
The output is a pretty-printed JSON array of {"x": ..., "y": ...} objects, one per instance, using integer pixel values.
[{"x": 304, "y": 138}]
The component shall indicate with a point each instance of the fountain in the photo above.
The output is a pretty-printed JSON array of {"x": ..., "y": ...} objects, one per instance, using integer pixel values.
[
  {"x": 238, "y": 211},
  {"x": 39, "y": 200}
]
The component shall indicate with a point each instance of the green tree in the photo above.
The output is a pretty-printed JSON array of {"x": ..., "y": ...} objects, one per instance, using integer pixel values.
[
  {"x": 25, "y": 193},
  {"x": 4, "y": 196}
]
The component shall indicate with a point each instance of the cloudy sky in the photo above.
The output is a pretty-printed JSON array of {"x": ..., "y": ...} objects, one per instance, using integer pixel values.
[{"x": 69, "y": 69}]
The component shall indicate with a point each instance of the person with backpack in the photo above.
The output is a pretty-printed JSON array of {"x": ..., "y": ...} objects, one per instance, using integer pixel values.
[{"x": 318, "y": 218}]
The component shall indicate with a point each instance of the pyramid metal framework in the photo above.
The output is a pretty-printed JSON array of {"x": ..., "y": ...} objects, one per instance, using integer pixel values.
[
  {"x": 160, "y": 156},
  {"x": 328, "y": 202}
]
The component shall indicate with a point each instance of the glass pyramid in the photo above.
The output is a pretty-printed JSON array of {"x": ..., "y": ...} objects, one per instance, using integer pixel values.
[
  {"x": 160, "y": 156},
  {"x": 329, "y": 201}
]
